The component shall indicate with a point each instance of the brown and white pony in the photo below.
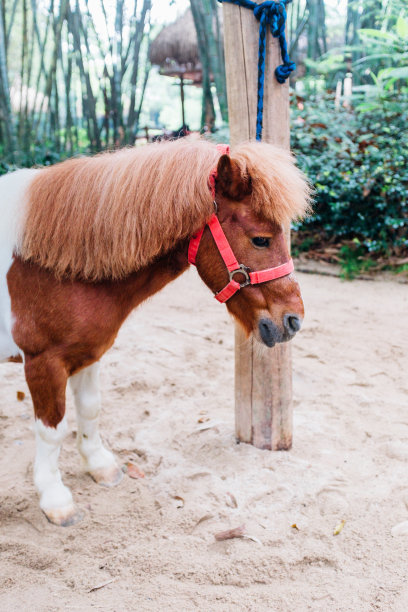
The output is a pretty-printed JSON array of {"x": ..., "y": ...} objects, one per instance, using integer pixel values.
[{"x": 84, "y": 242}]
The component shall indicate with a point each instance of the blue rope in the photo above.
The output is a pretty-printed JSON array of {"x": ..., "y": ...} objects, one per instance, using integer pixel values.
[{"x": 272, "y": 14}]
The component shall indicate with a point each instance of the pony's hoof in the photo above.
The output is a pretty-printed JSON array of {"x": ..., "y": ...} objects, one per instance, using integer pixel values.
[
  {"x": 64, "y": 517},
  {"x": 107, "y": 477}
]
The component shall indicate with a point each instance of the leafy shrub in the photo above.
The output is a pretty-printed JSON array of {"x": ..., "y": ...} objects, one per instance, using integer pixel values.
[
  {"x": 40, "y": 154},
  {"x": 358, "y": 163}
]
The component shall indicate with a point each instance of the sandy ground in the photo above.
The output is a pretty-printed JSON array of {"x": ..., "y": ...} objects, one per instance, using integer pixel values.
[{"x": 168, "y": 407}]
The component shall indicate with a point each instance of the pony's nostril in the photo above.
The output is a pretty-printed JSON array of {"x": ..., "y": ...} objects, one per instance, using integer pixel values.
[
  {"x": 269, "y": 332},
  {"x": 292, "y": 323}
]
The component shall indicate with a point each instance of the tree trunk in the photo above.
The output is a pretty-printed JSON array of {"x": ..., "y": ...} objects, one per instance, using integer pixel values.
[
  {"x": 215, "y": 53},
  {"x": 116, "y": 104},
  {"x": 88, "y": 98},
  {"x": 8, "y": 122},
  {"x": 351, "y": 34},
  {"x": 53, "y": 66},
  {"x": 137, "y": 41},
  {"x": 314, "y": 49},
  {"x": 208, "y": 112}
]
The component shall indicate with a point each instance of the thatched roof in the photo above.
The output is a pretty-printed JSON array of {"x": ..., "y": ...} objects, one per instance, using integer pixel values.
[{"x": 175, "y": 47}]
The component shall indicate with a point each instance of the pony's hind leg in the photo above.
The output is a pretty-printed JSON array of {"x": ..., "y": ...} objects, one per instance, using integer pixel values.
[
  {"x": 97, "y": 460},
  {"x": 46, "y": 379}
]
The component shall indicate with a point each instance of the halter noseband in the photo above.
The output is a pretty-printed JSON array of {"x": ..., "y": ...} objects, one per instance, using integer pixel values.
[{"x": 233, "y": 267}]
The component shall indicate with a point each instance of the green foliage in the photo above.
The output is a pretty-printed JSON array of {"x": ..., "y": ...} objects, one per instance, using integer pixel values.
[
  {"x": 385, "y": 59},
  {"x": 302, "y": 245},
  {"x": 400, "y": 269},
  {"x": 353, "y": 260},
  {"x": 358, "y": 159},
  {"x": 358, "y": 163},
  {"x": 44, "y": 154}
]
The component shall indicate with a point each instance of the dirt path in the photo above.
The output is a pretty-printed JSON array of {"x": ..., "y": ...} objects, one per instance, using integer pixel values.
[{"x": 168, "y": 407}]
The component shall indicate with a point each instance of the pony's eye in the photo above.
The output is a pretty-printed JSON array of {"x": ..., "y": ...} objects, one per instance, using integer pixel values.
[{"x": 260, "y": 242}]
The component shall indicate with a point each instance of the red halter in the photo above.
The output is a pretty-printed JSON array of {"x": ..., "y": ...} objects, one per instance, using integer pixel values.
[{"x": 250, "y": 278}]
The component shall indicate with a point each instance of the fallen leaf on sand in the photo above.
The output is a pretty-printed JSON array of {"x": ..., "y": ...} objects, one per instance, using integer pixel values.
[
  {"x": 206, "y": 517},
  {"x": 237, "y": 532},
  {"x": 207, "y": 425},
  {"x": 133, "y": 471},
  {"x": 179, "y": 501},
  {"x": 231, "y": 501},
  {"x": 339, "y": 528},
  {"x": 20, "y": 395}
]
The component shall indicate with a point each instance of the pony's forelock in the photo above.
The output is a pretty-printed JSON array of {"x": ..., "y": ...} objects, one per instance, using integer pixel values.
[
  {"x": 109, "y": 215},
  {"x": 280, "y": 191}
]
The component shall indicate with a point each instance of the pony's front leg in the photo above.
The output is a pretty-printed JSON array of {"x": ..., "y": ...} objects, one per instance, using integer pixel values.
[
  {"x": 55, "y": 498},
  {"x": 47, "y": 379},
  {"x": 97, "y": 460}
]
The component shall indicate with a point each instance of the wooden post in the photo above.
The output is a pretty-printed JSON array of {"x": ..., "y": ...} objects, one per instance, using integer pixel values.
[{"x": 263, "y": 378}]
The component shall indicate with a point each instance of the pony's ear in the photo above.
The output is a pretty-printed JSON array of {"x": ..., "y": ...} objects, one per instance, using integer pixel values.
[{"x": 230, "y": 182}]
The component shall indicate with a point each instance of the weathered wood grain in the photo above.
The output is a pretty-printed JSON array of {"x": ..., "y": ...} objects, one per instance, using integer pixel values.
[{"x": 263, "y": 378}]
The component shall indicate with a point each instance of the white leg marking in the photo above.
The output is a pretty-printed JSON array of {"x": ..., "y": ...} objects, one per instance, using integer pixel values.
[
  {"x": 7, "y": 346},
  {"x": 97, "y": 460},
  {"x": 13, "y": 199},
  {"x": 55, "y": 498}
]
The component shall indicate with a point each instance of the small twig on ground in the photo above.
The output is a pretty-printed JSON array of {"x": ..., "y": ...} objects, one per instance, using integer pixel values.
[
  {"x": 252, "y": 538},
  {"x": 231, "y": 500},
  {"x": 32, "y": 524},
  {"x": 206, "y": 517},
  {"x": 101, "y": 585}
]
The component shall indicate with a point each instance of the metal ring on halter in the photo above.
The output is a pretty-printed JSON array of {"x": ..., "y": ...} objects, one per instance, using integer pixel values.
[
  {"x": 215, "y": 207},
  {"x": 241, "y": 270}
]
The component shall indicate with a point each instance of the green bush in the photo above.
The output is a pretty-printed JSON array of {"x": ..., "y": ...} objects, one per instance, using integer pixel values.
[
  {"x": 41, "y": 156},
  {"x": 358, "y": 163}
]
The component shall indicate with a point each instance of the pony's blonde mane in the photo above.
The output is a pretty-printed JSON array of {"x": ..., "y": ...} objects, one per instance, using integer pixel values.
[{"x": 107, "y": 216}]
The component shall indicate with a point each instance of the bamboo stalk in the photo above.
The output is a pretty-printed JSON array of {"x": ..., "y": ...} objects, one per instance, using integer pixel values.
[{"x": 8, "y": 123}]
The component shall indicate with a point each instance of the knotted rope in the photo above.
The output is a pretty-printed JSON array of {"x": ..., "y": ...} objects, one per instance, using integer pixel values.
[{"x": 273, "y": 14}]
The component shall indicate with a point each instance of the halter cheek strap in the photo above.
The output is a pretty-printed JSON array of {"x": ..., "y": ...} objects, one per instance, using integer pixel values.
[{"x": 227, "y": 254}]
